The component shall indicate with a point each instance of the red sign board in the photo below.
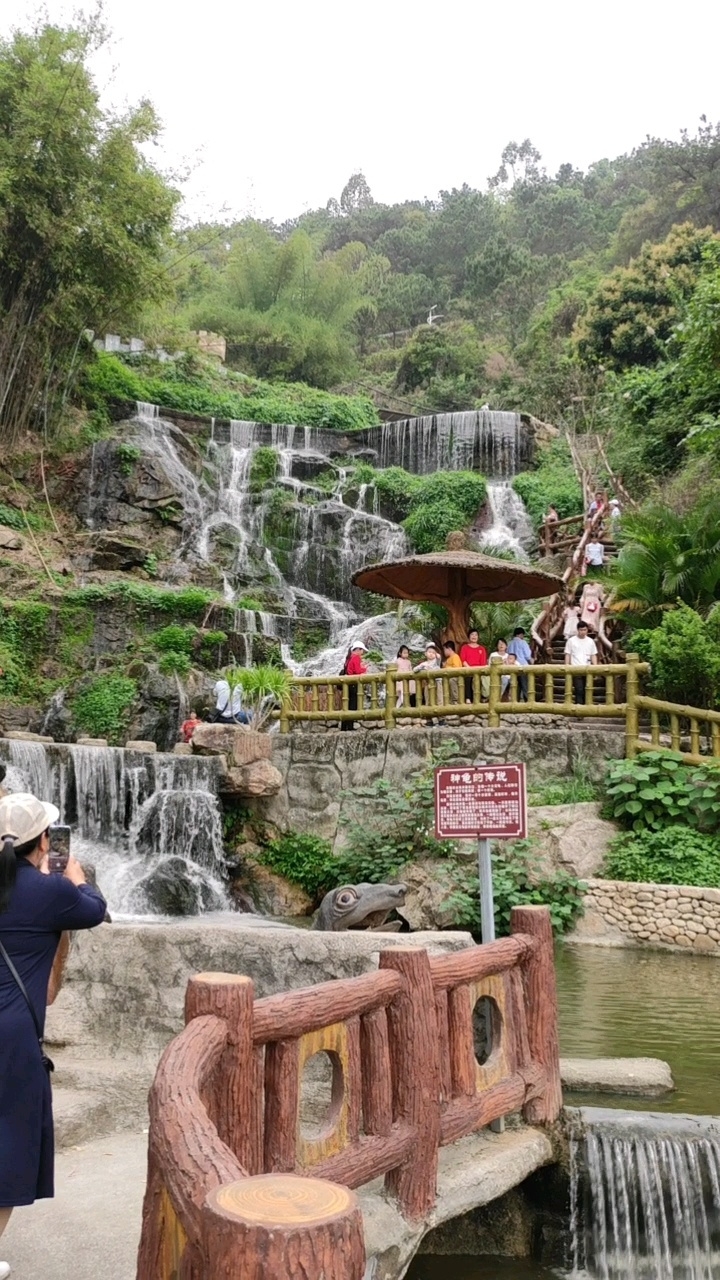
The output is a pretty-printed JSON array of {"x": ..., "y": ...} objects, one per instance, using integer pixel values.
[{"x": 481, "y": 800}]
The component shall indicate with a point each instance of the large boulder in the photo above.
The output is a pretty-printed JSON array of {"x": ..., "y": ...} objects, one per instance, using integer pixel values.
[
  {"x": 260, "y": 778},
  {"x": 427, "y": 891},
  {"x": 111, "y": 551},
  {"x": 571, "y": 836},
  {"x": 241, "y": 745},
  {"x": 174, "y": 888}
]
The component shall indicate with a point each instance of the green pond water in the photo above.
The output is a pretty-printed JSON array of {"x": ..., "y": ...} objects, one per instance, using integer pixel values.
[{"x": 623, "y": 1003}]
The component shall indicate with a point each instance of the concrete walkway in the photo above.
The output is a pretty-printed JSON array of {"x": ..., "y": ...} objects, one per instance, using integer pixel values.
[{"x": 92, "y": 1227}]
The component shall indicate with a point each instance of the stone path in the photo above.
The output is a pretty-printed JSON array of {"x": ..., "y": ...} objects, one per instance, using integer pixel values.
[{"x": 92, "y": 1227}]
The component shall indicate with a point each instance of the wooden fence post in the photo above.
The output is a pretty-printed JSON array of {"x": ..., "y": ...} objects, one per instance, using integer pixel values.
[
  {"x": 632, "y": 689},
  {"x": 282, "y": 1226},
  {"x": 495, "y": 695},
  {"x": 541, "y": 1011},
  {"x": 414, "y": 1058},
  {"x": 284, "y": 717},
  {"x": 230, "y": 996},
  {"x": 390, "y": 695}
]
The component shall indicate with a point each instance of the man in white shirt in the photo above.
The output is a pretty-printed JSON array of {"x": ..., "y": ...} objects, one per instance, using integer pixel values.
[
  {"x": 229, "y": 710},
  {"x": 580, "y": 651}
]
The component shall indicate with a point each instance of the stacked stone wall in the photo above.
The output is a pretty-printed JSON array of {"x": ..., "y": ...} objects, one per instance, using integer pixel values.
[{"x": 679, "y": 916}]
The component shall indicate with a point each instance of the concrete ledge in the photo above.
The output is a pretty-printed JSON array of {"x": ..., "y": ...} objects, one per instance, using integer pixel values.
[
  {"x": 639, "y": 1077},
  {"x": 471, "y": 1173},
  {"x": 645, "y": 1124}
]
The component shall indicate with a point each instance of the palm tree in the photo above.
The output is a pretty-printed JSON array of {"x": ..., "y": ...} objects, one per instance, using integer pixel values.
[{"x": 664, "y": 558}]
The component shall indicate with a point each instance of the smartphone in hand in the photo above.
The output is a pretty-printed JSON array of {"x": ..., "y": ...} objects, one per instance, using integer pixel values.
[{"x": 59, "y": 848}]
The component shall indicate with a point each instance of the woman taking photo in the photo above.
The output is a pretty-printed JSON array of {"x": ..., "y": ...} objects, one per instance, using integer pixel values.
[{"x": 35, "y": 909}]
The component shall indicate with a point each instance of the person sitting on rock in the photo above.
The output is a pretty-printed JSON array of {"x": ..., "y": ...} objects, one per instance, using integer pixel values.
[{"x": 189, "y": 726}]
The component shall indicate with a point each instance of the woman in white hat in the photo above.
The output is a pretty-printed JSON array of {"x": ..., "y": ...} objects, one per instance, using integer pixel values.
[
  {"x": 35, "y": 909},
  {"x": 354, "y": 666}
]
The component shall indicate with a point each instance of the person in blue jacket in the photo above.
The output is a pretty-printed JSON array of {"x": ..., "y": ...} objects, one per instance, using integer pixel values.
[{"x": 35, "y": 909}]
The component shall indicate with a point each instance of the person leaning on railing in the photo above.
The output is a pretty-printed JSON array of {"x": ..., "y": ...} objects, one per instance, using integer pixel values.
[{"x": 36, "y": 909}]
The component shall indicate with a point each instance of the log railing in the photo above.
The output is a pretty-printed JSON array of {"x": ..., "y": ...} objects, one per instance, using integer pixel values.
[
  {"x": 416, "y": 1063},
  {"x": 691, "y": 731},
  {"x": 496, "y": 692}
]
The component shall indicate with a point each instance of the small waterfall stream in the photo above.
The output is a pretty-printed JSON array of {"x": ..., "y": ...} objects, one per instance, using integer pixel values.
[
  {"x": 646, "y": 1206},
  {"x": 150, "y": 824}
]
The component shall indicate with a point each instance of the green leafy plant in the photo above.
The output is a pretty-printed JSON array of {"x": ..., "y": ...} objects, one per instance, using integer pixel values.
[
  {"x": 306, "y": 860},
  {"x": 518, "y": 880},
  {"x": 263, "y": 689},
  {"x": 173, "y": 663},
  {"x": 128, "y": 455},
  {"x": 263, "y": 468},
  {"x": 674, "y": 855},
  {"x": 556, "y": 791},
  {"x": 659, "y": 789},
  {"x": 249, "y": 602},
  {"x": 553, "y": 481},
  {"x": 174, "y": 639},
  {"x": 388, "y": 824},
  {"x": 102, "y": 709},
  {"x": 18, "y": 520}
]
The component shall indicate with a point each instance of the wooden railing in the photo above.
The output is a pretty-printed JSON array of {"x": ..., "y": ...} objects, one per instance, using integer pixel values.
[
  {"x": 691, "y": 731},
  {"x": 496, "y": 691},
  {"x": 407, "y": 1078}
]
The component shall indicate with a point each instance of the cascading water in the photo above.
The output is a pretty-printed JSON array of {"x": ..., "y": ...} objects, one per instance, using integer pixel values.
[
  {"x": 510, "y": 528},
  {"x": 645, "y": 1207},
  {"x": 149, "y": 823}
]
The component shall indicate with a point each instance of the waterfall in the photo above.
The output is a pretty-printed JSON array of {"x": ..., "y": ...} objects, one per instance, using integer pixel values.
[
  {"x": 644, "y": 1206},
  {"x": 511, "y": 529},
  {"x": 299, "y": 541},
  {"x": 150, "y": 824}
]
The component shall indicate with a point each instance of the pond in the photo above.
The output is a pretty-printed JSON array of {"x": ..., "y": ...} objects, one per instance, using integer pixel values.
[{"x": 617, "y": 1002}]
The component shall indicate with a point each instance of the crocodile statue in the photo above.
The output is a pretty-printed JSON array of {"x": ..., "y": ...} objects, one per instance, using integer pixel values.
[{"x": 360, "y": 906}]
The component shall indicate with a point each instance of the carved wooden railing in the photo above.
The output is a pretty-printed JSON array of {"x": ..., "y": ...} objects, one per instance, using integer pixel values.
[
  {"x": 496, "y": 692},
  {"x": 225, "y": 1131}
]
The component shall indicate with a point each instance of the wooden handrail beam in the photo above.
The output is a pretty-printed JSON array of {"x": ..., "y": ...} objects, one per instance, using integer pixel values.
[
  {"x": 476, "y": 963},
  {"x": 295, "y": 1013}
]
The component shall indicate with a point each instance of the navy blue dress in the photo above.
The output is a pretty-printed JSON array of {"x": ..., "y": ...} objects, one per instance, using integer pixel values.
[{"x": 41, "y": 908}]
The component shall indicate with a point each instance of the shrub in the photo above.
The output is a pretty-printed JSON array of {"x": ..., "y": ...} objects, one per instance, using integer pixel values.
[
  {"x": 577, "y": 790},
  {"x": 173, "y": 663},
  {"x": 102, "y": 709},
  {"x": 518, "y": 880},
  {"x": 552, "y": 481},
  {"x": 684, "y": 651},
  {"x": 263, "y": 468},
  {"x": 674, "y": 855},
  {"x": 427, "y": 527},
  {"x": 659, "y": 789},
  {"x": 305, "y": 860},
  {"x": 174, "y": 639}
]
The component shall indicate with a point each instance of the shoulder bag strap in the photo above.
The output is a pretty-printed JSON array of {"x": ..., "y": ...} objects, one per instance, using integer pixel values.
[{"x": 23, "y": 989}]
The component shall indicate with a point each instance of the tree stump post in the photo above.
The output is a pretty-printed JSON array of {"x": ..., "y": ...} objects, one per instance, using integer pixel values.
[
  {"x": 230, "y": 996},
  {"x": 495, "y": 694},
  {"x": 541, "y": 1012},
  {"x": 416, "y": 1077},
  {"x": 282, "y": 1226},
  {"x": 390, "y": 694}
]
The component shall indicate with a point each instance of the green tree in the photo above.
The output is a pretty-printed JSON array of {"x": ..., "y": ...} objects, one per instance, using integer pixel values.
[
  {"x": 84, "y": 218},
  {"x": 667, "y": 558},
  {"x": 632, "y": 315},
  {"x": 685, "y": 655}
]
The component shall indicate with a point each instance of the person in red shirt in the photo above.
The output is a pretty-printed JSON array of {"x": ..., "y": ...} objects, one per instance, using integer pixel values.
[
  {"x": 188, "y": 727},
  {"x": 354, "y": 666},
  {"x": 472, "y": 654}
]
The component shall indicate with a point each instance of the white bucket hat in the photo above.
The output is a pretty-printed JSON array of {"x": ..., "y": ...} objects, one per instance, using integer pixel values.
[
  {"x": 23, "y": 817},
  {"x": 358, "y": 644}
]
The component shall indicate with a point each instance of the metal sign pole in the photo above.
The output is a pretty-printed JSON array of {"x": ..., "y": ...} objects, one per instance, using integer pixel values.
[
  {"x": 487, "y": 932},
  {"x": 487, "y": 901}
]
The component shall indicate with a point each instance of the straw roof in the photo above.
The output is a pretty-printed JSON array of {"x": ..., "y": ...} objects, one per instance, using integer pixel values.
[{"x": 445, "y": 576}]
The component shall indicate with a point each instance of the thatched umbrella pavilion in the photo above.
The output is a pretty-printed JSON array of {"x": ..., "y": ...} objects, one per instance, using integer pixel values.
[{"x": 454, "y": 579}]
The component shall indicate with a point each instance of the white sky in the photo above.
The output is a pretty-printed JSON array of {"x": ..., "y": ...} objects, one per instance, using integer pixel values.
[{"x": 274, "y": 104}]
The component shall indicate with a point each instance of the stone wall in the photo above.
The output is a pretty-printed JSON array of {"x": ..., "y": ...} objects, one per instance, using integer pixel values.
[
  {"x": 317, "y": 767},
  {"x": 679, "y": 916}
]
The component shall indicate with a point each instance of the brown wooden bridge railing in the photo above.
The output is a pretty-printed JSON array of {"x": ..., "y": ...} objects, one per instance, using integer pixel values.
[{"x": 408, "y": 1077}]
